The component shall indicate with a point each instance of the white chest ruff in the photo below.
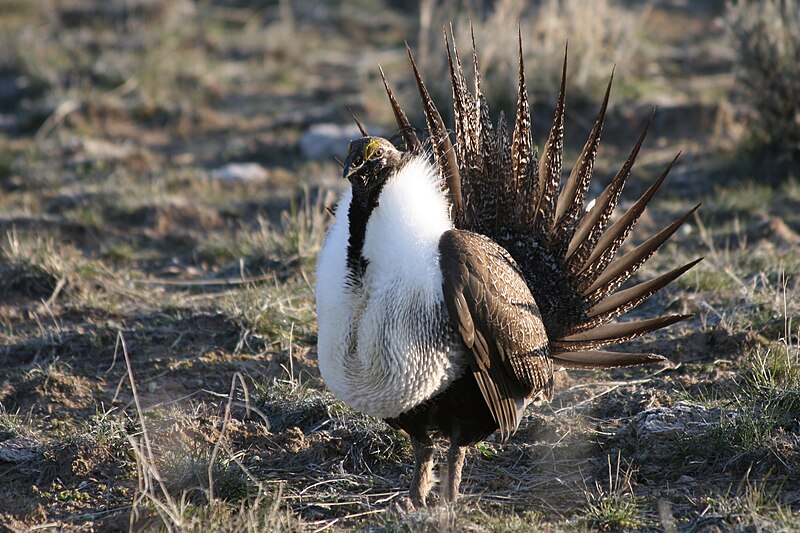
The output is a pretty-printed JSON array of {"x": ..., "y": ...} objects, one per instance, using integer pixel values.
[
  {"x": 397, "y": 354},
  {"x": 386, "y": 346}
]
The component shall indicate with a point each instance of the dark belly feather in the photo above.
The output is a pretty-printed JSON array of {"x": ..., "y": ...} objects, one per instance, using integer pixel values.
[{"x": 459, "y": 413}]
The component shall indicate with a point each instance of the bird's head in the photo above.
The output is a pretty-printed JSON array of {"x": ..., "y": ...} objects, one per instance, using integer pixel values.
[{"x": 370, "y": 162}]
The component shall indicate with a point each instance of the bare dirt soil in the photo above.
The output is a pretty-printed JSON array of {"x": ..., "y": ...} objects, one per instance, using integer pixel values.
[{"x": 159, "y": 225}]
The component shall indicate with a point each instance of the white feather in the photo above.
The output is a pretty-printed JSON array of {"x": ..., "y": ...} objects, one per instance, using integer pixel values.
[{"x": 380, "y": 345}]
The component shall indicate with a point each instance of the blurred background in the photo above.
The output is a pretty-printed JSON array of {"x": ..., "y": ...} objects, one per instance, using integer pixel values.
[
  {"x": 168, "y": 121},
  {"x": 165, "y": 168},
  {"x": 195, "y": 84}
]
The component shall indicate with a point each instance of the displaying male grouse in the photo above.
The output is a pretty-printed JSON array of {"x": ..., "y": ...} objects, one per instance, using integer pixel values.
[{"x": 451, "y": 284}]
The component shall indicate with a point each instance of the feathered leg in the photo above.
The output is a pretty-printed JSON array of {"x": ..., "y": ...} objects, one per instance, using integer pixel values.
[
  {"x": 452, "y": 473},
  {"x": 422, "y": 480}
]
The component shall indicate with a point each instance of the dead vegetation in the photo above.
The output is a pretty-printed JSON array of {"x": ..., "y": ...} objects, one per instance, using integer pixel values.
[
  {"x": 157, "y": 326},
  {"x": 766, "y": 37},
  {"x": 609, "y": 36}
]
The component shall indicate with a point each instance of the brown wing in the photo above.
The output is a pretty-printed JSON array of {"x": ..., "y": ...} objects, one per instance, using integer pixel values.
[{"x": 498, "y": 320}]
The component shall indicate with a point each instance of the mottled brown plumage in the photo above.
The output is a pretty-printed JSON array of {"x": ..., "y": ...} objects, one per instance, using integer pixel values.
[
  {"x": 530, "y": 277},
  {"x": 567, "y": 255},
  {"x": 499, "y": 323}
]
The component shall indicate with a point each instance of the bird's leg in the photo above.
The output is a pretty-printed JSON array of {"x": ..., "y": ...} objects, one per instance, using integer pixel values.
[
  {"x": 422, "y": 480},
  {"x": 452, "y": 474}
]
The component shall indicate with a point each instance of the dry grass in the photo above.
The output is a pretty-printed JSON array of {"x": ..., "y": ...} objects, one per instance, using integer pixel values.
[
  {"x": 766, "y": 36},
  {"x": 753, "y": 505},
  {"x": 33, "y": 265},
  {"x": 113, "y": 228},
  {"x": 599, "y": 38}
]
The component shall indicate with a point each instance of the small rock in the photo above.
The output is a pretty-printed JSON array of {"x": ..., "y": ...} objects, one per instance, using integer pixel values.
[
  {"x": 655, "y": 434},
  {"x": 240, "y": 172},
  {"x": 323, "y": 141},
  {"x": 15, "y": 87},
  {"x": 675, "y": 422},
  {"x": 9, "y": 123},
  {"x": 18, "y": 450},
  {"x": 194, "y": 384}
]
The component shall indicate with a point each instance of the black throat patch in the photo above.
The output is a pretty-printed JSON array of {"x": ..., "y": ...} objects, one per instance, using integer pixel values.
[
  {"x": 358, "y": 215},
  {"x": 364, "y": 202}
]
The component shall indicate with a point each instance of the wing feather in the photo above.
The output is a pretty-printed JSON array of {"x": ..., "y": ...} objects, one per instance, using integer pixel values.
[{"x": 498, "y": 322}]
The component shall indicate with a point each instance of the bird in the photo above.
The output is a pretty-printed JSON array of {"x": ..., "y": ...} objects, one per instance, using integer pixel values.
[{"x": 459, "y": 273}]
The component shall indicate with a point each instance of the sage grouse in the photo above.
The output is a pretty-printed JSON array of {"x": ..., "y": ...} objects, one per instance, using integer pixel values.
[{"x": 451, "y": 284}]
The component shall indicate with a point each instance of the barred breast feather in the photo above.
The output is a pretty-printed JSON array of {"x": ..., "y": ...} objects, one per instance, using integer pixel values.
[{"x": 384, "y": 343}]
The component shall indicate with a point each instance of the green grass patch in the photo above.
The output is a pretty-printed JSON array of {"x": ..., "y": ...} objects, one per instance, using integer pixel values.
[
  {"x": 615, "y": 505},
  {"x": 701, "y": 278},
  {"x": 755, "y": 505},
  {"x": 615, "y": 511},
  {"x": 761, "y": 411}
]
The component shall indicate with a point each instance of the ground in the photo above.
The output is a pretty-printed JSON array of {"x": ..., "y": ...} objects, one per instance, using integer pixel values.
[{"x": 159, "y": 225}]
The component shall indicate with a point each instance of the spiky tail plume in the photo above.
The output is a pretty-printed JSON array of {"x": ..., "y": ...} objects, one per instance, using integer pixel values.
[{"x": 499, "y": 187}]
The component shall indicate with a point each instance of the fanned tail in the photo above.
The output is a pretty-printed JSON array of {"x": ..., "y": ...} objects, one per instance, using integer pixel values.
[
  {"x": 443, "y": 152},
  {"x": 500, "y": 187}
]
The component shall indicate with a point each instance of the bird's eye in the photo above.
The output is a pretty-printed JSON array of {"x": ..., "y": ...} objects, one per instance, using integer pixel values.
[
  {"x": 378, "y": 152},
  {"x": 357, "y": 161}
]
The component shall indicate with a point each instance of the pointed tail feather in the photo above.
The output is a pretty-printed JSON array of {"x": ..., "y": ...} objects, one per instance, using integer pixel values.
[
  {"x": 608, "y": 244},
  {"x": 410, "y": 140},
  {"x": 523, "y": 158},
  {"x": 591, "y": 226},
  {"x": 484, "y": 121},
  {"x": 613, "y": 333},
  {"x": 360, "y": 126},
  {"x": 600, "y": 359},
  {"x": 463, "y": 109},
  {"x": 573, "y": 195},
  {"x": 488, "y": 181},
  {"x": 550, "y": 164},
  {"x": 468, "y": 138},
  {"x": 623, "y": 268},
  {"x": 443, "y": 151}
]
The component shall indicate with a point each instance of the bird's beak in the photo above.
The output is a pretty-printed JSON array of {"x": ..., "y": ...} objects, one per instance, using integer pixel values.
[
  {"x": 348, "y": 161},
  {"x": 363, "y": 148}
]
